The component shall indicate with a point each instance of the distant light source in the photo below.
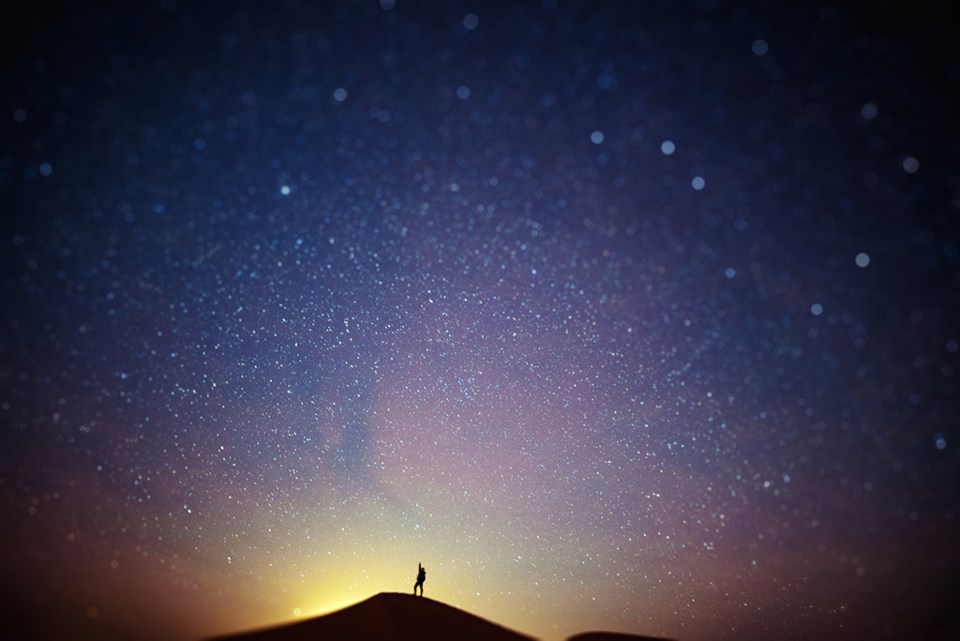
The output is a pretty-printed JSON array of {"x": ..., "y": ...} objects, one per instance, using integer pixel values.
[
  {"x": 667, "y": 147},
  {"x": 596, "y": 137}
]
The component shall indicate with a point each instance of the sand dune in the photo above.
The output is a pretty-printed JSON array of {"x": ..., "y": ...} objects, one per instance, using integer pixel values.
[
  {"x": 388, "y": 617},
  {"x": 398, "y": 617}
]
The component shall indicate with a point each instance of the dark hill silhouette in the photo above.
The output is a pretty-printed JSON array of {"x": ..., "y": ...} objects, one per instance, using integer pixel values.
[
  {"x": 388, "y": 617},
  {"x": 613, "y": 636}
]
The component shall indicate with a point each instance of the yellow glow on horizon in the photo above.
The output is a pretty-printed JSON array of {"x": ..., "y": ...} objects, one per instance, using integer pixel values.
[
  {"x": 485, "y": 561},
  {"x": 326, "y": 604}
]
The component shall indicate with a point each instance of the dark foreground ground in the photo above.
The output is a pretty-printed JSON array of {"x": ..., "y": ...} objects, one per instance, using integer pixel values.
[{"x": 392, "y": 616}]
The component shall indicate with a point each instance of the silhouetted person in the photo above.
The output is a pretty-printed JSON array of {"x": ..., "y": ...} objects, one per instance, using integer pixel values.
[{"x": 421, "y": 577}]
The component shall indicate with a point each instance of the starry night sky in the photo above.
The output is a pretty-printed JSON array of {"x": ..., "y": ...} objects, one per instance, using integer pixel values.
[{"x": 629, "y": 316}]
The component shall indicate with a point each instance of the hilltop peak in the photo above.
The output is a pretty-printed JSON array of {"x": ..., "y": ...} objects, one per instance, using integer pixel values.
[{"x": 388, "y": 616}]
